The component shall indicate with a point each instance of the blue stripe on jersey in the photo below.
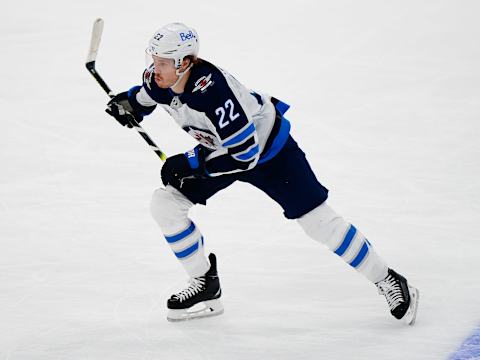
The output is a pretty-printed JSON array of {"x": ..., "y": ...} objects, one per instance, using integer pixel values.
[
  {"x": 360, "y": 256},
  {"x": 282, "y": 107},
  {"x": 244, "y": 146},
  {"x": 188, "y": 251},
  {"x": 240, "y": 137},
  {"x": 346, "y": 241},
  {"x": 278, "y": 142},
  {"x": 248, "y": 155},
  {"x": 174, "y": 238}
]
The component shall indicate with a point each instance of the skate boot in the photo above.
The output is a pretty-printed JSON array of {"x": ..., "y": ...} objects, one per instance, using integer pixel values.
[
  {"x": 401, "y": 297},
  {"x": 200, "y": 299}
]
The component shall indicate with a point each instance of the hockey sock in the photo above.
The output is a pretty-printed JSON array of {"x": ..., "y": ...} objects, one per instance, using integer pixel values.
[
  {"x": 170, "y": 210},
  {"x": 326, "y": 226}
]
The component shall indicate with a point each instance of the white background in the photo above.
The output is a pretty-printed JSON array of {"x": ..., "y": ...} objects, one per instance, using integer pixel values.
[{"x": 385, "y": 102}]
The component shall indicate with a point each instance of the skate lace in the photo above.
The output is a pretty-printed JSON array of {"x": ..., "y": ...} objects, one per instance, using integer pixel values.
[
  {"x": 196, "y": 285},
  {"x": 390, "y": 287}
]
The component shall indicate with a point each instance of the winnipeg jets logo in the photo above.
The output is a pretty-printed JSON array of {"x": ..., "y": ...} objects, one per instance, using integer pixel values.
[
  {"x": 203, "y": 83},
  {"x": 207, "y": 140},
  {"x": 203, "y": 136}
]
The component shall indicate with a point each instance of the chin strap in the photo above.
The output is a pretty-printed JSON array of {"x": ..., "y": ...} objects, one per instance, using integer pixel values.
[{"x": 180, "y": 75}]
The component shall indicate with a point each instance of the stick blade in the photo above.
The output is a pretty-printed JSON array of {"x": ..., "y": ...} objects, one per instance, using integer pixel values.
[{"x": 95, "y": 41}]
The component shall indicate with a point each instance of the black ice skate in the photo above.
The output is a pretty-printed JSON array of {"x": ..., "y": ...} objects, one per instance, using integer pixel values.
[
  {"x": 200, "y": 299},
  {"x": 401, "y": 297}
]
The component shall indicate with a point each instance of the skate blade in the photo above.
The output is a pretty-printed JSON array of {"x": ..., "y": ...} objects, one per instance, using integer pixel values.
[
  {"x": 411, "y": 314},
  {"x": 198, "y": 311}
]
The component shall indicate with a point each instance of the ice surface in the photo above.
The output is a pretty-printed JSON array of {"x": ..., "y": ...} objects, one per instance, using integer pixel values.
[{"x": 385, "y": 102}]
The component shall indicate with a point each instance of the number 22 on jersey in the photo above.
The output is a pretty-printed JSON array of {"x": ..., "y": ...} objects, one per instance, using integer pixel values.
[{"x": 222, "y": 111}]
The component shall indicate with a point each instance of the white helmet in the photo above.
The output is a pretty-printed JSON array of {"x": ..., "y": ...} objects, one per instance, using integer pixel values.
[{"x": 174, "y": 41}]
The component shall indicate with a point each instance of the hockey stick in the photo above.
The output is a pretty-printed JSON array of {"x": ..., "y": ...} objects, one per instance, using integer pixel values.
[{"x": 90, "y": 64}]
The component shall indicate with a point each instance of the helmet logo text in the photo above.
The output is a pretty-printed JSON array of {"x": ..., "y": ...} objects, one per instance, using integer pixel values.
[{"x": 187, "y": 36}]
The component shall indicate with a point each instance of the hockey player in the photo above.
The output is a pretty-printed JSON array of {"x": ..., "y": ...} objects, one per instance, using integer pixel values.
[{"x": 243, "y": 136}]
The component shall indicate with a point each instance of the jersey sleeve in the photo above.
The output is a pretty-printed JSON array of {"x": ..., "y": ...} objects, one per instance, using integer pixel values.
[
  {"x": 139, "y": 98},
  {"x": 237, "y": 133}
]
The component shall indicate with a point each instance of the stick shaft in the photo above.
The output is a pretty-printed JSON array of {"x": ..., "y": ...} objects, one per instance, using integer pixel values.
[{"x": 90, "y": 65}]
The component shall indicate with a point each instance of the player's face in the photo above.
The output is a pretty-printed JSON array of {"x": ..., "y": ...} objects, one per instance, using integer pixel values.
[{"x": 165, "y": 72}]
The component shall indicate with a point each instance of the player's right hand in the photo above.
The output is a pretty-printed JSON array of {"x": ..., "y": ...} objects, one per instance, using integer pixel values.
[{"x": 180, "y": 167}]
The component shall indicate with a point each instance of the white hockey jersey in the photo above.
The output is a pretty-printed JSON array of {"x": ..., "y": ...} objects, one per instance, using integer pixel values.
[{"x": 239, "y": 127}]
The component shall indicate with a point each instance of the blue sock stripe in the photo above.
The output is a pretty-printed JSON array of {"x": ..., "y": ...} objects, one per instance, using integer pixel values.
[
  {"x": 360, "y": 256},
  {"x": 174, "y": 238},
  {"x": 188, "y": 251},
  {"x": 346, "y": 241}
]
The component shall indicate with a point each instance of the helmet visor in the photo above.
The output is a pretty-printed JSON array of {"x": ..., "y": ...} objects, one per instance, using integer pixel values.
[{"x": 148, "y": 59}]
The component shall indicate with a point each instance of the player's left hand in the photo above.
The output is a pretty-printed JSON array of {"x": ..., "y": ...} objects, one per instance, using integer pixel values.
[
  {"x": 122, "y": 110},
  {"x": 180, "y": 167}
]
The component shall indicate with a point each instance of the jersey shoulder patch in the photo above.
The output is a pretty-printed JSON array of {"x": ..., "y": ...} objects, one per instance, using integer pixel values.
[
  {"x": 205, "y": 78},
  {"x": 203, "y": 83}
]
